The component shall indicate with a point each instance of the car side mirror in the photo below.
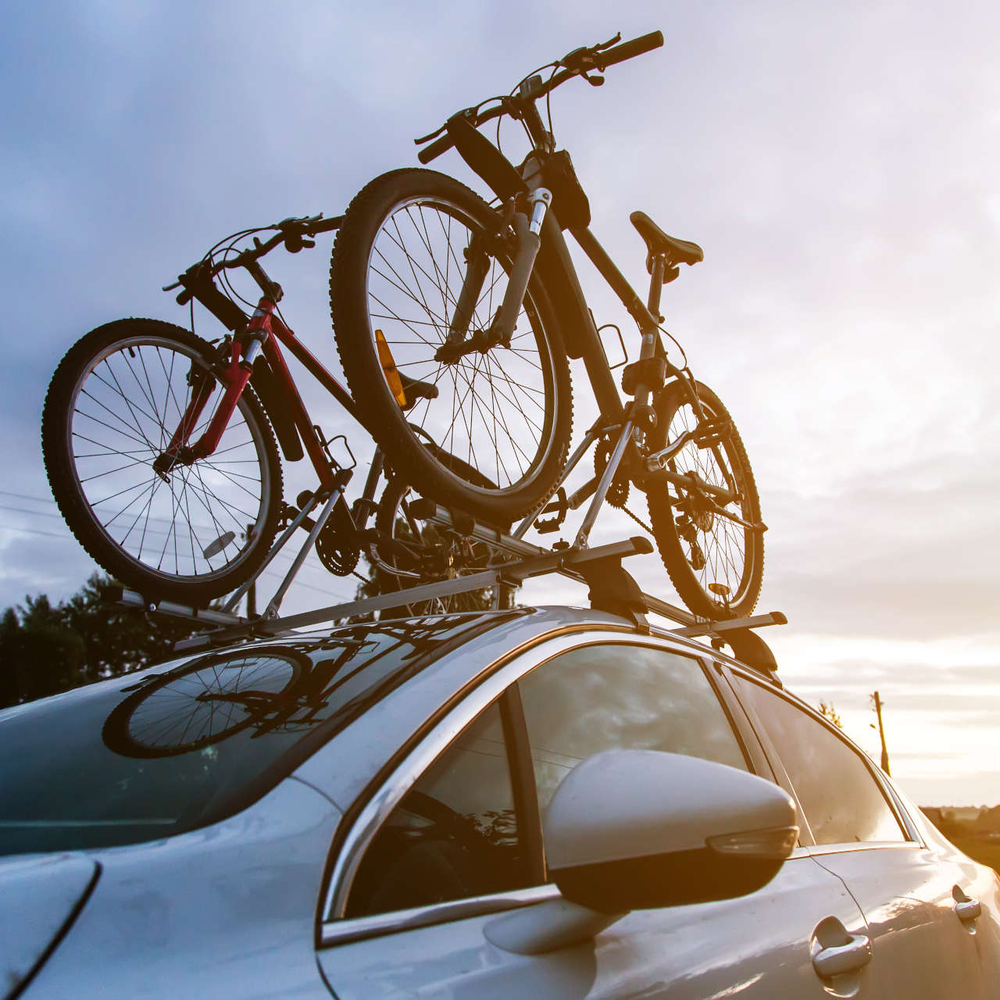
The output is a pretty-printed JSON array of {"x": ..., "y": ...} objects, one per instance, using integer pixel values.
[{"x": 637, "y": 829}]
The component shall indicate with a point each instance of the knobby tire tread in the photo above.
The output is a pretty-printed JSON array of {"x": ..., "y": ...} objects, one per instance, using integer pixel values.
[
  {"x": 665, "y": 530},
  {"x": 379, "y": 412},
  {"x": 56, "y": 418}
]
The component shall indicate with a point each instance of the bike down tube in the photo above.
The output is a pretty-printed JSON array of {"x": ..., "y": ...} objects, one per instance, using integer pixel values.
[
  {"x": 592, "y": 435},
  {"x": 586, "y": 335},
  {"x": 609, "y": 473},
  {"x": 293, "y": 400}
]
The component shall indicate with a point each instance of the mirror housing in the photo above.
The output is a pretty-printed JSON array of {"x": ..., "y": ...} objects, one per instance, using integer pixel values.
[{"x": 638, "y": 829}]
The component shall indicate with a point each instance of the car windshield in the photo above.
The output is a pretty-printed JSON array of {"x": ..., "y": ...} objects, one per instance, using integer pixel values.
[{"x": 184, "y": 744}]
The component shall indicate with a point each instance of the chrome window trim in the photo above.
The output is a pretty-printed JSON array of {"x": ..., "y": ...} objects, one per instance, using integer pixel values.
[
  {"x": 381, "y": 804},
  {"x": 818, "y": 850},
  {"x": 359, "y": 928}
]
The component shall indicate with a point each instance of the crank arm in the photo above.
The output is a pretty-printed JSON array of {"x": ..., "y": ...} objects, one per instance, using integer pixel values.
[
  {"x": 687, "y": 482},
  {"x": 658, "y": 460},
  {"x": 760, "y": 527}
]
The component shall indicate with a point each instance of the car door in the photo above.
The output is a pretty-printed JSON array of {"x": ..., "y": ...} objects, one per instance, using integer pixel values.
[
  {"x": 390, "y": 931},
  {"x": 921, "y": 945}
]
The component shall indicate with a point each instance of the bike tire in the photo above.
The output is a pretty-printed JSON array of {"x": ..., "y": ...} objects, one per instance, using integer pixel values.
[
  {"x": 393, "y": 520},
  {"x": 113, "y": 404},
  {"x": 174, "y": 713},
  {"x": 396, "y": 271},
  {"x": 731, "y": 555}
]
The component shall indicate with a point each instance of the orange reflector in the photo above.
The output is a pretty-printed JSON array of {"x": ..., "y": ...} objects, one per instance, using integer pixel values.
[
  {"x": 389, "y": 367},
  {"x": 719, "y": 588}
]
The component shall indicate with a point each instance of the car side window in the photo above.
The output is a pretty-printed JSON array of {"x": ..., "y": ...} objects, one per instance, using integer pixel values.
[
  {"x": 841, "y": 800},
  {"x": 453, "y": 835},
  {"x": 621, "y": 696}
]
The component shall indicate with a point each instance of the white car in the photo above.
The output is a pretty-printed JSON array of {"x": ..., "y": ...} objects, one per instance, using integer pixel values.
[{"x": 530, "y": 803}]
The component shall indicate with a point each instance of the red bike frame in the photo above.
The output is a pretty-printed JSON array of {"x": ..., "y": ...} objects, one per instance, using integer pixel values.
[{"x": 266, "y": 329}]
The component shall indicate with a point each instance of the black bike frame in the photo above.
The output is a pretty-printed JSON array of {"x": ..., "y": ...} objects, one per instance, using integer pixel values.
[{"x": 558, "y": 273}]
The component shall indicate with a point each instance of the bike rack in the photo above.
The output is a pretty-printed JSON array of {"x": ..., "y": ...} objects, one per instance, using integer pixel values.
[{"x": 612, "y": 589}]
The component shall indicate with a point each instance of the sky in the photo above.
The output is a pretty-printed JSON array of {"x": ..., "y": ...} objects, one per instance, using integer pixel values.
[{"x": 837, "y": 163}]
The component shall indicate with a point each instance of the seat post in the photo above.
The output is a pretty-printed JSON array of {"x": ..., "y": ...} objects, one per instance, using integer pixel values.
[{"x": 656, "y": 285}]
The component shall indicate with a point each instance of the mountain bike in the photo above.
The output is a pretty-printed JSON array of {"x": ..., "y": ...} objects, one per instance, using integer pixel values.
[
  {"x": 162, "y": 449},
  {"x": 455, "y": 318}
]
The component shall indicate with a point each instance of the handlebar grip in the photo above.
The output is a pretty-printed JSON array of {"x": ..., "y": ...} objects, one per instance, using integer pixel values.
[
  {"x": 636, "y": 47},
  {"x": 435, "y": 149}
]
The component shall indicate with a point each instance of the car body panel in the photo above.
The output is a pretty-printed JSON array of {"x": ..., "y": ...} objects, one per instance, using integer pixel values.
[
  {"x": 228, "y": 910},
  {"x": 670, "y": 953},
  {"x": 40, "y": 898},
  {"x": 920, "y": 947}
]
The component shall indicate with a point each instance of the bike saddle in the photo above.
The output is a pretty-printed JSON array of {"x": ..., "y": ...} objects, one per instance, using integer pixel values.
[{"x": 657, "y": 242}]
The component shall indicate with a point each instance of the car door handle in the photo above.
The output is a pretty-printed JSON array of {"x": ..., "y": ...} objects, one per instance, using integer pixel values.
[
  {"x": 843, "y": 958},
  {"x": 968, "y": 909}
]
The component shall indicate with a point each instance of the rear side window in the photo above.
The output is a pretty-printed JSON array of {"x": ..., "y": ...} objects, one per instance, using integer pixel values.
[
  {"x": 840, "y": 798},
  {"x": 621, "y": 696}
]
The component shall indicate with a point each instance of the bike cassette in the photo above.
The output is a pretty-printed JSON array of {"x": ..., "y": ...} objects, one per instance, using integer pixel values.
[{"x": 618, "y": 490}]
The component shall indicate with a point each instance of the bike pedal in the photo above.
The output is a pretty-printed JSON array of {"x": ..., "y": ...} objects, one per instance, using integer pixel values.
[
  {"x": 558, "y": 508},
  {"x": 710, "y": 433}
]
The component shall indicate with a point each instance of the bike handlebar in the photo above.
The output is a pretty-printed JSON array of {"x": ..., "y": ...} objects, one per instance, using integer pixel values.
[
  {"x": 579, "y": 62},
  {"x": 629, "y": 50},
  {"x": 198, "y": 280}
]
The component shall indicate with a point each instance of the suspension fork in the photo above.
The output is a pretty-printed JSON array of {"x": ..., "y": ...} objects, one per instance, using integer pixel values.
[
  {"x": 235, "y": 377},
  {"x": 529, "y": 238}
]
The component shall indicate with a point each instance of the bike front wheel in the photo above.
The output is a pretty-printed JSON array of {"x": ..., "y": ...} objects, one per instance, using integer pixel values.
[
  {"x": 418, "y": 256},
  {"x": 712, "y": 546},
  {"x": 189, "y": 534}
]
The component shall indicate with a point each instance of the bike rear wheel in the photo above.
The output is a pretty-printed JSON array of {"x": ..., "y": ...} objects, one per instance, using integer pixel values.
[
  {"x": 716, "y": 563},
  {"x": 401, "y": 260},
  {"x": 192, "y": 533}
]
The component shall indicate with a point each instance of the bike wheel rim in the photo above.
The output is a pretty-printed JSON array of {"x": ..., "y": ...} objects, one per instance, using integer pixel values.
[
  {"x": 138, "y": 511},
  {"x": 727, "y": 547},
  {"x": 508, "y": 429}
]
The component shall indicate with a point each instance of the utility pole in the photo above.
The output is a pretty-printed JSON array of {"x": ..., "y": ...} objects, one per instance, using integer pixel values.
[{"x": 877, "y": 701}]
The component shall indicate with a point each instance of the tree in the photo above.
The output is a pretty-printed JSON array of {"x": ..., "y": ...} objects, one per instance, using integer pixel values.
[
  {"x": 827, "y": 710},
  {"x": 46, "y": 649}
]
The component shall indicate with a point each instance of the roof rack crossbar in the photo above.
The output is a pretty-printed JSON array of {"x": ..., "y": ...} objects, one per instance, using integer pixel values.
[{"x": 616, "y": 592}]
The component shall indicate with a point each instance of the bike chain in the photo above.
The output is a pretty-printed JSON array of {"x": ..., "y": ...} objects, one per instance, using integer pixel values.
[{"x": 642, "y": 524}]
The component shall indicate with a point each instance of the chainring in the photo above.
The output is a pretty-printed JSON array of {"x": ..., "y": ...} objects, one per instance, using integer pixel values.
[
  {"x": 337, "y": 545},
  {"x": 618, "y": 490}
]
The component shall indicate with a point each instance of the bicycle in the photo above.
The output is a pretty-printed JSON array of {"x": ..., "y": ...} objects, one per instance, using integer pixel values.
[
  {"x": 162, "y": 449},
  {"x": 454, "y": 320}
]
